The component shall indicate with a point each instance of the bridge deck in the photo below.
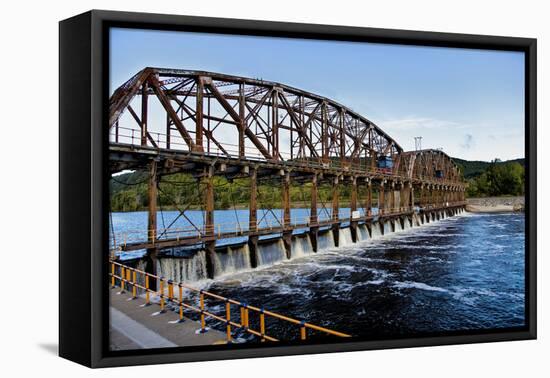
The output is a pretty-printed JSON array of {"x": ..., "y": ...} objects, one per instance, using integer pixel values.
[{"x": 130, "y": 156}]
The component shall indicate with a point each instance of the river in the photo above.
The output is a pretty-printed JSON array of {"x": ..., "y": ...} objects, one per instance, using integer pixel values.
[{"x": 462, "y": 273}]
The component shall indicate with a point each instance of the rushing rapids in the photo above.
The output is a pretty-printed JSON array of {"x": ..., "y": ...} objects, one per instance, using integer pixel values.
[{"x": 427, "y": 276}]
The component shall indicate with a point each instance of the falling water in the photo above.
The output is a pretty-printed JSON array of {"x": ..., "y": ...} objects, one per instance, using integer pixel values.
[
  {"x": 375, "y": 231},
  {"x": 362, "y": 232},
  {"x": 325, "y": 240},
  {"x": 271, "y": 253},
  {"x": 301, "y": 246},
  {"x": 192, "y": 267},
  {"x": 398, "y": 227},
  {"x": 235, "y": 259},
  {"x": 183, "y": 269},
  {"x": 344, "y": 237},
  {"x": 387, "y": 227}
]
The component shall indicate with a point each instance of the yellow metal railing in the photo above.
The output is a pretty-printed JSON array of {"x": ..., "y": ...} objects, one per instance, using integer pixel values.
[{"x": 127, "y": 278}]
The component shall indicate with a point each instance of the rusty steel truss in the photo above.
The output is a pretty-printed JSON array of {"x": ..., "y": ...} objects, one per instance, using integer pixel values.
[{"x": 199, "y": 105}]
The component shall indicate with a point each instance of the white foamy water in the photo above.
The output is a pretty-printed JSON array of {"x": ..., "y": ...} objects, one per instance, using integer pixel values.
[
  {"x": 183, "y": 269},
  {"x": 271, "y": 253},
  {"x": 235, "y": 259},
  {"x": 344, "y": 237},
  {"x": 301, "y": 246}
]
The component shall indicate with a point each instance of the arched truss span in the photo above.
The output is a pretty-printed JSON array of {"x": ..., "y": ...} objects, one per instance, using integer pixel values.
[
  {"x": 427, "y": 165},
  {"x": 216, "y": 114}
]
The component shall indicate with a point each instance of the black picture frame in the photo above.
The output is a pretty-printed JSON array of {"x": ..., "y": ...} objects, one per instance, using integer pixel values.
[{"x": 83, "y": 197}]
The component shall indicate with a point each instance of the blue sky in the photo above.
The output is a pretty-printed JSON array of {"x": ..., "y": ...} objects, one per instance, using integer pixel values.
[{"x": 470, "y": 103}]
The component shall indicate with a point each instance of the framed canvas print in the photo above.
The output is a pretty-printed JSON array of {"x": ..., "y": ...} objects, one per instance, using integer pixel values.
[{"x": 234, "y": 188}]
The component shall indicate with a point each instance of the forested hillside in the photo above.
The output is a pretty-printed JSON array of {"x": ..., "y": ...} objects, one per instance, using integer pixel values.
[{"x": 496, "y": 178}]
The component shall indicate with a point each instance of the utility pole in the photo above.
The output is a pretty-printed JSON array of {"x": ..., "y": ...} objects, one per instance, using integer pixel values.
[{"x": 418, "y": 143}]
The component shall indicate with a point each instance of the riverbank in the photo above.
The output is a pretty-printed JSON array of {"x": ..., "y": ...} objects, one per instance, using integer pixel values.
[{"x": 503, "y": 204}]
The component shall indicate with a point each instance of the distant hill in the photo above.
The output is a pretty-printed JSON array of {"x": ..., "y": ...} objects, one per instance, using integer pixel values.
[{"x": 475, "y": 168}]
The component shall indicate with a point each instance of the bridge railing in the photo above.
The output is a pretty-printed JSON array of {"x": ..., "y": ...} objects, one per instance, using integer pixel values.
[{"x": 195, "y": 301}]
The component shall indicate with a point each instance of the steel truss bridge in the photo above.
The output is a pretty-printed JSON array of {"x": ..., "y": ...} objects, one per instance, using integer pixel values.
[{"x": 167, "y": 121}]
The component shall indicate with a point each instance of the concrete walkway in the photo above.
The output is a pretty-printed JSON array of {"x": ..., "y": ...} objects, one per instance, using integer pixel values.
[{"x": 133, "y": 326}]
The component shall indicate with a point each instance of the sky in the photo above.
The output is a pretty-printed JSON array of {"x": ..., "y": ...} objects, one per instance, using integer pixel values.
[{"x": 469, "y": 103}]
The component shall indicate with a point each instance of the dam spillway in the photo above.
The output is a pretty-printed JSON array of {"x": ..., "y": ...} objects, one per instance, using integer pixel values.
[{"x": 190, "y": 265}]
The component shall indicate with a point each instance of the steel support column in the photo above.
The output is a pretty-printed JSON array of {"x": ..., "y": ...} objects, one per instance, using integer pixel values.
[
  {"x": 199, "y": 128},
  {"x": 353, "y": 208},
  {"x": 392, "y": 197},
  {"x": 313, "y": 219},
  {"x": 152, "y": 263},
  {"x": 411, "y": 196},
  {"x": 253, "y": 218},
  {"x": 209, "y": 230},
  {"x": 144, "y": 109},
  {"x": 335, "y": 211},
  {"x": 242, "y": 125},
  {"x": 369, "y": 198},
  {"x": 287, "y": 227},
  {"x": 381, "y": 199}
]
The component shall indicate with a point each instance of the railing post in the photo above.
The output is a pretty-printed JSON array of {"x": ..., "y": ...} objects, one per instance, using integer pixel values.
[
  {"x": 122, "y": 279},
  {"x": 203, "y": 321},
  {"x": 147, "y": 294},
  {"x": 162, "y": 310},
  {"x": 180, "y": 287},
  {"x": 112, "y": 275},
  {"x": 245, "y": 313},
  {"x": 262, "y": 324},
  {"x": 170, "y": 290},
  {"x": 303, "y": 333},
  {"x": 228, "y": 320},
  {"x": 134, "y": 282}
]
